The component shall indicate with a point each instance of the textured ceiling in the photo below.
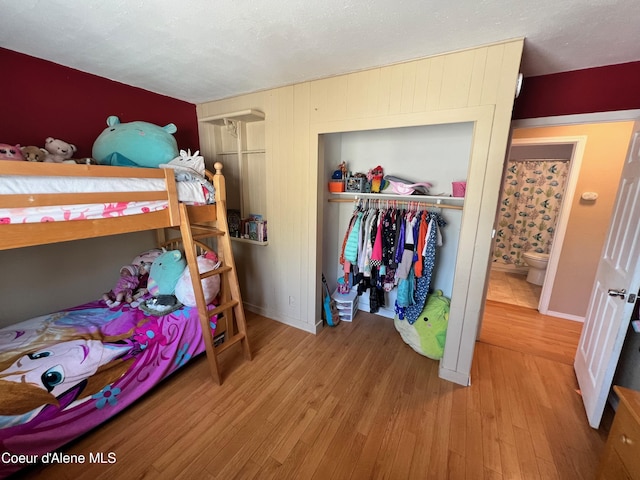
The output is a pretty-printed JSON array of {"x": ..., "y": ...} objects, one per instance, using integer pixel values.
[{"x": 201, "y": 50}]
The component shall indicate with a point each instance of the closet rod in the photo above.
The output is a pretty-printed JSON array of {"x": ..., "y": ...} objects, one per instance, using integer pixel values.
[{"x": 421, "y": 203}]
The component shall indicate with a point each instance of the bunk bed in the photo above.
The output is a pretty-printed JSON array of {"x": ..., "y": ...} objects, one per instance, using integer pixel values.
[{"x": 127, "y": 350}]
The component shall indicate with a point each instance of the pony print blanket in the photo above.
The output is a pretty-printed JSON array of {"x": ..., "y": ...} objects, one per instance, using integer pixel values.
[{"x": 65, "y": 373}]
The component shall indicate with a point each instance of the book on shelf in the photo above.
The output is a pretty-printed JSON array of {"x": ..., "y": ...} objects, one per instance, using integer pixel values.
[{"x": 254, "y": 227}]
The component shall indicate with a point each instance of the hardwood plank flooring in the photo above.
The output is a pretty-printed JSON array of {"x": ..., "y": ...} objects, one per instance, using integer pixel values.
[
  {"x": 527, "y": 330},
  {"x": 353, "y": 402}
]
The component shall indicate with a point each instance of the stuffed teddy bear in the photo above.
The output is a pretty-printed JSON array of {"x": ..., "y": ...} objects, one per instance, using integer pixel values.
[
  {"x": 125, "y": 287},
  {"x": 135, "y": 144},
  {"x": 210, "y": 285},
  {"x": 59, "y": 151},
  {"x": 163, "y": 277},
  {"x": 33, "y": 154},
  {"x": 10, "y": 152},
  {"x": 428, "y": 334}
]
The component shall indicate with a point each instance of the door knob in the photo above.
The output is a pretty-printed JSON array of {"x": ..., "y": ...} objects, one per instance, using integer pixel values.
[{"x": 617, "y": 293}]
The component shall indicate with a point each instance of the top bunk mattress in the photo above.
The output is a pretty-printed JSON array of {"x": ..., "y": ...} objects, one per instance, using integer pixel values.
[{"x": 191, "y": 190}]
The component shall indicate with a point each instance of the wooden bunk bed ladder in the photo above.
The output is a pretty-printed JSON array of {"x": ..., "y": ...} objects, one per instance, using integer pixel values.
[{"x": 230, "y": 307}]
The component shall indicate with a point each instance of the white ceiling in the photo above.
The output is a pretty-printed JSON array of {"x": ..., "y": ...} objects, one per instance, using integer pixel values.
[{"x": 201, "y": 50}]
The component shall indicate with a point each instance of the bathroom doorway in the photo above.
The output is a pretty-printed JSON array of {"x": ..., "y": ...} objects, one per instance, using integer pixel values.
[{"x": 539, "y": 181}]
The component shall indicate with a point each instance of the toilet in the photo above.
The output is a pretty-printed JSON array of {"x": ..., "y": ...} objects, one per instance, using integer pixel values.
[{"x": 537, "y": 266}]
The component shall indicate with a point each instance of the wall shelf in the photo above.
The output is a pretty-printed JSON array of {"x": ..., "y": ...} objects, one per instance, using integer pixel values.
[
  {"x": 246, "y": 116},
  {"x": 248, "y": 240},
  {"x": 246, "y": 152},
  {"x": 238, "y": 141}
]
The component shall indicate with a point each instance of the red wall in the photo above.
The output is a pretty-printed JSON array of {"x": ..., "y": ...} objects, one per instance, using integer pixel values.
[
  {"x": 42, "y": 99},
  {"x": 601, "y": 89}
]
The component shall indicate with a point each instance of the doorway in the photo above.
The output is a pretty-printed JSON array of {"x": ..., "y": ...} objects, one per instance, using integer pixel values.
[
  {"x": 539, "y": 182},
  {"x": 577, "y": 247}
]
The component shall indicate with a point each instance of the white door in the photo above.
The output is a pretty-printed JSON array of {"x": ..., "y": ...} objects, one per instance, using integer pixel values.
[{"x": 614, "y": 291}]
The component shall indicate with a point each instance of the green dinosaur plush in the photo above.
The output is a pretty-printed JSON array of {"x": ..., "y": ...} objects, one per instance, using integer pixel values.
[{"x": 429, "y": 332}]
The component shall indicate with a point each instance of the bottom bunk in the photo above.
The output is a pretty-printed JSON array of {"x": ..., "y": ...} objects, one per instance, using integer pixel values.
[{"x": 65, "y": 373}]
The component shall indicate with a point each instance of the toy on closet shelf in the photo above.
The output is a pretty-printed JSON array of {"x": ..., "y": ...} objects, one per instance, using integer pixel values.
[
  {"x": 32, "y": 153},
  {"x": 376, "y": 177},
  {"x": 401, "y": 186},
  {"x": 10, "y": 152},
  {"x": 337, "y": 183}
]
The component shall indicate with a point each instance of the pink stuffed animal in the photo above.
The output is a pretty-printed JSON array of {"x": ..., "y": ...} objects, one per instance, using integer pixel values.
[
  {"x": 10, "y": 152},
  {"x": 59, "y": 151}
]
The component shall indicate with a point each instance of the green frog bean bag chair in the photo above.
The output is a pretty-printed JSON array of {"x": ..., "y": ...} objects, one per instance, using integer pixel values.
[{"x": 429, "y": 332}]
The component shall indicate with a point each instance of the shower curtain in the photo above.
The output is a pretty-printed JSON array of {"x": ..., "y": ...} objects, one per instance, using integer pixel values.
[{"x": 529, "y": 206}]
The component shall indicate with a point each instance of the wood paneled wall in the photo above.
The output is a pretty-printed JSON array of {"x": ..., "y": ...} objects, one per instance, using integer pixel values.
[{"x": 282, "y": 280}]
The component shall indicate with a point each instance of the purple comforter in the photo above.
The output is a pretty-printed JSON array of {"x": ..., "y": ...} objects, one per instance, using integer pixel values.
[{"x": 65, "y": 373}]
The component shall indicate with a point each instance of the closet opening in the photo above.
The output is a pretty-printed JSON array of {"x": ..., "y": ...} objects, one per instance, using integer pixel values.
[{"x": 438, "y": 154}]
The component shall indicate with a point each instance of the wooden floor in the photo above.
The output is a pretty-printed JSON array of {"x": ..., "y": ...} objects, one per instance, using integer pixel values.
[
  {"x": 513, "y": 288},
  {"x": 353, "y": 402},
  {"x": 528, "y": 331}
]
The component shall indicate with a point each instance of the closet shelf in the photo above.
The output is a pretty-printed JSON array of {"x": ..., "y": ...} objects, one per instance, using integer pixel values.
[{"x": 434, "y": 200}]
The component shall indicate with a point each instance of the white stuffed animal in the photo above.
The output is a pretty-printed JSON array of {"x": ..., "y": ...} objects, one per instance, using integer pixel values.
[{"x": 59, "y": 151}]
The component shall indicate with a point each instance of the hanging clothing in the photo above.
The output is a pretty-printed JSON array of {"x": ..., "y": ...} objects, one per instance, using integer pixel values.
[
  {"x": 351, "y": 248},
  {"x": 412, "y": 312},
  {"x": 390, "y": 248}
]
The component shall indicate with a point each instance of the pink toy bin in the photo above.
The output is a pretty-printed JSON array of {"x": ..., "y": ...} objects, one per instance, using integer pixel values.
[{"x": 459, "y": 188}]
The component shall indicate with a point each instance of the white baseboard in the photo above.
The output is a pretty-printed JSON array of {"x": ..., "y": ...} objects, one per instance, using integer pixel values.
[
  {"x": 503, "y": 267},
  {"x": 566, "y": 316},
  {"x": 278, "y": 317}
]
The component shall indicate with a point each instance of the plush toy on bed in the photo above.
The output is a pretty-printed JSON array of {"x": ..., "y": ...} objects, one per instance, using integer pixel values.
[
  {"x": 10, "y": 152},
  {"x": 428, "y": 334},
  {"x": 210, "y": 285},
  {"x": 125, "y": 288},
  {"x": 163, "y": 277},
  {"x": 144, "y": 262},
  {"x": 59, "y": 151},
  {"x": 186, "y": 163},
  {"x": 136, "y": 144},
  {"x": 32, "y": 153}
]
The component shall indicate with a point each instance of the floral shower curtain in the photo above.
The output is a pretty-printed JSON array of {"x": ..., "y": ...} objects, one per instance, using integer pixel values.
[{"x": 529, "y": 205}]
